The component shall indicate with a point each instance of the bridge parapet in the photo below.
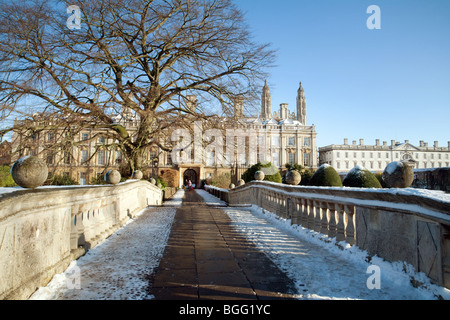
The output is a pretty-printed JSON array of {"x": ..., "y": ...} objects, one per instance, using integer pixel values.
[
  {"x": 409, "y": 225},
  {"x": 42, "y": 230}
]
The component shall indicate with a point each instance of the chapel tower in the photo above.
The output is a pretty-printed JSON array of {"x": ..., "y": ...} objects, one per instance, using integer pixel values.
[
  {"x": 266, "y": 112},
  {"x": 301, "y": 105}
]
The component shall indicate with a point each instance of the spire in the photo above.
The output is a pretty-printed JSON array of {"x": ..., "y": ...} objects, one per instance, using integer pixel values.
[
  {"x": 266, "y": 112},
  {"x": 301, "y": 105}
]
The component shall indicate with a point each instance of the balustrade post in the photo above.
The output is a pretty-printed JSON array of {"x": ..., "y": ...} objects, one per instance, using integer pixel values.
[
  {"x": 304, "y": 213},
  {"x": 332, "y": 220},
  {"x": 324, "y": 218},
  {"x": 350, "y": 228},
  {"x": 317, "y": 221},
  {"x": 310, "y": 209},
  {"x": 340, "y": 228}
]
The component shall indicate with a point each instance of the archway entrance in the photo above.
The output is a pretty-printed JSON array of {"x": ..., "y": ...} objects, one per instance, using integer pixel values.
[{"x": 190, "y": 174}]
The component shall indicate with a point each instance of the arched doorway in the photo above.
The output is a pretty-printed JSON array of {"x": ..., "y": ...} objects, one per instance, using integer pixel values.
[{"x": 190, "y": 174}]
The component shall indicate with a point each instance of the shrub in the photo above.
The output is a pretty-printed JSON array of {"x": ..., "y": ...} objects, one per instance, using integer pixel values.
[
  {"x": 326, "y": 176},
  {"x": 6, "y": 179},
  {"x": 221, "y": 181},
  {"x": 61, "y": 180},
  {"x": 360, "y": 177},
  {"x": 249, "y": 175}
]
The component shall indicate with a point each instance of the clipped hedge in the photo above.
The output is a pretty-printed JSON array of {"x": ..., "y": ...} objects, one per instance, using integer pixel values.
[
  {"x": 325, "y": 176},
  {"x": 360, "y": 177}
]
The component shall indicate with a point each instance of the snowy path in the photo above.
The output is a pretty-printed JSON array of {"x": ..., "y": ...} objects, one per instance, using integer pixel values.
[{"x": 320, "y": 268}]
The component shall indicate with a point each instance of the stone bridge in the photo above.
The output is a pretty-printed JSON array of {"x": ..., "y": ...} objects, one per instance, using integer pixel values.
[{"x": 43, "y": 230}]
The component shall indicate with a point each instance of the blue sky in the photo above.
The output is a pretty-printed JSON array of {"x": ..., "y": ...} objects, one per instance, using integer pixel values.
[{"x": 392, "y": 83}]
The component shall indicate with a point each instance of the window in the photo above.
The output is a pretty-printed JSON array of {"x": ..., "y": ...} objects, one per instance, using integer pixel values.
[
  {"x": 291, "y": 141},
  {"x": 101, "y": 157},
  {"x": 66, "y": 157},
  {"x": 84, "y": 136},
  {"x": 50, "y": 136},
  {"x": 276, "y": 159},
  {"x": 83, "y": 178},
  {"x": 291, "y": 158},
  {"x": 306, "y": 159},
  {"x": 307, "y": 141},
  {"x": 101, "y": 140},
  {"x": 50, "y": 158},
  {"x": 84, "y": 156},
  {"x": 276, "y": 141}
]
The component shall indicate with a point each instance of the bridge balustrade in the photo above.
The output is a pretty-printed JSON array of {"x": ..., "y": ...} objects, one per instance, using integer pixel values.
[{"x": 408, "y": 225}]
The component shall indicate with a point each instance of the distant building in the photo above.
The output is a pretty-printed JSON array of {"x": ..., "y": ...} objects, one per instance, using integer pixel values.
[{"x": 344, "y": 157}]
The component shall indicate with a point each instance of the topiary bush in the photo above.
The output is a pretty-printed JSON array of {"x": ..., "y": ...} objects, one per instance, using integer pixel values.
[
  {"x": 360, "y": 177},
  {"x": 325, "y": 176},
  {"x": 267, "y": 168}
]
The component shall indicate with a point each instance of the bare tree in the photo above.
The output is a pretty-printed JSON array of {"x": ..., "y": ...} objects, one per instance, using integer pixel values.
[{"x": 138, "y": 57}]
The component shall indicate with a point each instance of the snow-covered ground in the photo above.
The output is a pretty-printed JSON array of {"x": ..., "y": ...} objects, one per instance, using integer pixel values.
[
  {"x": 324, "y": 269},
  {"x": 117, "y": 268}
]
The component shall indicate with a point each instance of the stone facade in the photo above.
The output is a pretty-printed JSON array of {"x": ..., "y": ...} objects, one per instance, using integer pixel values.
[{"x": 376, "y": 157}]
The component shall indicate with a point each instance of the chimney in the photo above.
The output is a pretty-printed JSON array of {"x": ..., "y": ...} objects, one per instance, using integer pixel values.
[
  {"x": 406, "y": 141},
  {"x": 354, "y": 142},
  {"x": 421, "y": 143},
  {"x": 377, "y": 142},
  {"x": 361, "y": 142},
  {"x": 238, "y": 107},
  {"x": 436, "y": 144},
  {"x": 392, "y": 142},
  {"x": 384, "y": 143},
  {"x": 346, "y": 141}
]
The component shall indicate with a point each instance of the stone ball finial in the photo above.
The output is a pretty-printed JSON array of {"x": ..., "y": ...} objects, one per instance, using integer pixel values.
[
  {"x": 399, "y": 174},
  {"x": 137, "y": 174},
  {"x": 293, "y": 177},
  {"x": 153, "y": 181},
  {"x": 29, "y": 172},
  {"x": 259, "y": 175},
  {"x": 241, "y": 182},
  {"x": 232, "y": 186},
  {"x": 113, "y": 177}
]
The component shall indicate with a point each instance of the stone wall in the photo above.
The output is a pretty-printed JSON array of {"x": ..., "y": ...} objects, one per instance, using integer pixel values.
[
  {"x": 395, "y": 224},
  {"x": 42, "y": 230}
]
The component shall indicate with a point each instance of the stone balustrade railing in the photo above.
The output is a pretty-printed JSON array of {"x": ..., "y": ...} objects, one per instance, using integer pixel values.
[
  {"x": 395, "y": 224},
  {"x": 42, "y": 230}
]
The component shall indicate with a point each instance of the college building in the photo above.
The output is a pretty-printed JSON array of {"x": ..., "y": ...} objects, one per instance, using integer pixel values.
[
  {"x": 89, "y": 153},
  {"x": 344, "y": 157}
]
